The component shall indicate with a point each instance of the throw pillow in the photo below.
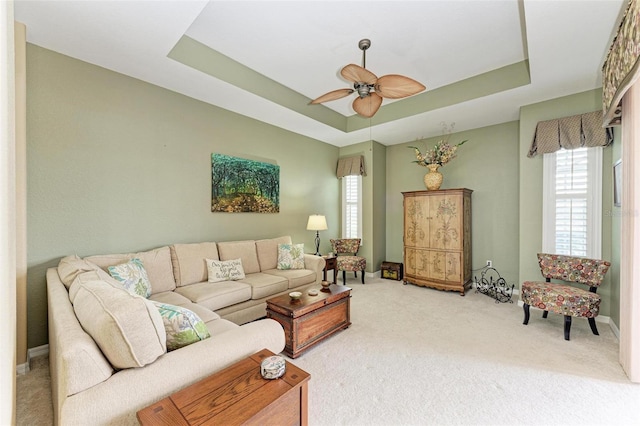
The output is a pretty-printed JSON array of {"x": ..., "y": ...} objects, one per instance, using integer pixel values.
[
  {"x": 183, "y": 327},
  {"x": 133, "y": 277},
  {"x": 225, "y": 270},
  {"x": 290, "y": 256},
  {"x": 128, "y": 328}
]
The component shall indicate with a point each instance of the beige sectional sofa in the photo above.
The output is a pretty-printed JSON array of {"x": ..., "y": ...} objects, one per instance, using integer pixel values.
[{"x": 102, "y": 376}]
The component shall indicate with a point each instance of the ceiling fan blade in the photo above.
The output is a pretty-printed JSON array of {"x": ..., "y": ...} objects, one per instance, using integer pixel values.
[
  {"x": 368, "y": 105},
  {"x": 332, "y": 96},
  {"x": 357, "y": 74},
  {"x": 394, "y": 86}
]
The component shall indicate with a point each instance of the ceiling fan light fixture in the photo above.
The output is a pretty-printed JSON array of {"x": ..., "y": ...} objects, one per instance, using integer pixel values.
[{"x": 363, "y": 89}]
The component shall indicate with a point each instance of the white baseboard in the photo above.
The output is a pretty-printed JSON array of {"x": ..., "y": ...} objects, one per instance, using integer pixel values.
[
  {"x": 615, "y": 329},
  {"x": 32, "y": 353}
]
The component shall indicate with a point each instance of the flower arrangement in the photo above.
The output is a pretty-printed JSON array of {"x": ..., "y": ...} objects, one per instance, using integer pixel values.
[{"x": 440, "y": 154}]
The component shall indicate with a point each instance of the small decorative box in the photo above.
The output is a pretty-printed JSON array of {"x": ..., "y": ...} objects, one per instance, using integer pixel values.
[
  {"x": 391, "y": 270},
  {"x": 272, "y": 367}
]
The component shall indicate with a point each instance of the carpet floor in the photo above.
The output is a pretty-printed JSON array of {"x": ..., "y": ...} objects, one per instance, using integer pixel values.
[{"x": 416, "y": 356}]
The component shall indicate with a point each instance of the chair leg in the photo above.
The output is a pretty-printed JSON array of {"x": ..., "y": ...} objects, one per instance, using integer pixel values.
[
  {"x": 355, "y": 274},
  {"x": 362, "y": 273},
  {"x": 544, "y": 314},
  {"x": 592, "y": 323},
  {"x": 567, "y": 326},
  {"x": 344, "y": 277},
  {"x": 525, "y": 307}
]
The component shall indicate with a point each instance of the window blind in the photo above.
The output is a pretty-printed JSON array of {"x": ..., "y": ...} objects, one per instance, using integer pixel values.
[
  {"x": 351, "y": 210},
  {"x": 572, "y": 191},
  {"x": 572, "y": 202}
]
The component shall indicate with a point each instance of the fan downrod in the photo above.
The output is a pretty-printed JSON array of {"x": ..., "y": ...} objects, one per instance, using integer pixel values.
[{"x": 363, "y": 45}]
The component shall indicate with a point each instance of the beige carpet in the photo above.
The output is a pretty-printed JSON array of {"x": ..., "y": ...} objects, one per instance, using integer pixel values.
[{"x": 416, "y": 356}]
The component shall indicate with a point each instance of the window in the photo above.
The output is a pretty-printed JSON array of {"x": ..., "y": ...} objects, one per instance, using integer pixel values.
[
  {"x": 352, "y": 207},
  {"x": 572, "y": 202}
]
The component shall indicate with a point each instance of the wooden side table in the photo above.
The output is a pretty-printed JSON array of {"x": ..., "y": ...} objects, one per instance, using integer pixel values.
[
  {"x": 237, "y": 395},
  {"x": 330, "y": 263}
]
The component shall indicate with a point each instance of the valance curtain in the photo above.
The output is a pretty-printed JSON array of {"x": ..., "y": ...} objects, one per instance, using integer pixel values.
[
  {"x": 584, "y": 130},
  {"x": 620, "y": 69},
  {"x": 351, "y": 166}
]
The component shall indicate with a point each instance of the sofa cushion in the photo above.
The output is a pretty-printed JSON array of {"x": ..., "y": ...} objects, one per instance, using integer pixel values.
[
  {"x": 243, "y": 250},
  {"x": 128, "y": 328},
  {"x": 133, "y": 277},
  {"x": 157, "y": 263},
  {"x": 264, "y": 285},
  {"x": 296, "y": 277},
  {"x": 268, "y": 252},
  {"x": 72, "y": 266},
  {"x": 224, "y": 270},
  {"x": 170, "y": 297},
  {"x": 173, "y": 298},
  {"x": 188, "y": 260},
  {"x": 290, "y": 256},
  {"x": 182, "y": 326},
  {"x": 216, "y": 295}
]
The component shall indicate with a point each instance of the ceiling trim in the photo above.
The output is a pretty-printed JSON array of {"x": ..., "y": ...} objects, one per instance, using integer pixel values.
[{"x": 197, "y": 55}]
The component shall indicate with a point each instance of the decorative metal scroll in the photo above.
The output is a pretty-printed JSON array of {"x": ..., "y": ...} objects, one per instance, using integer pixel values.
[{"x": 493, "y": 285}]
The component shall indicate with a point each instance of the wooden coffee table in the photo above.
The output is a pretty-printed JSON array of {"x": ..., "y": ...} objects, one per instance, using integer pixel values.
[
  {"x": 311, "y": 319},
  {"x": 237, "y": 395}
]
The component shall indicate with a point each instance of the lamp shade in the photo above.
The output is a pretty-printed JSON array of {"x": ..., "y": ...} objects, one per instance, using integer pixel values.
[{"x": 317, "y": 222}]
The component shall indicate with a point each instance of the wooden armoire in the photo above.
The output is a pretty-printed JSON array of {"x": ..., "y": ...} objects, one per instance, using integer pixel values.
[{"x": 437, "y": 239}]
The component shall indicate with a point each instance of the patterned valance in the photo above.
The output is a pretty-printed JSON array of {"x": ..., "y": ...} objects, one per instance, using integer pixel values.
[
  {"x": 620, "y": 69},
  {"x": 584, "y": 130},
  {"x": 351, "y": 166}
]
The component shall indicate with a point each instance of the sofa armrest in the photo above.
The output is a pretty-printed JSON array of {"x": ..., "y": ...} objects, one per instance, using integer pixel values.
[
  {"x": 132, "y": 389},
  {"x": 76, "y": 363},
  {"x": 316, "y": 264}
]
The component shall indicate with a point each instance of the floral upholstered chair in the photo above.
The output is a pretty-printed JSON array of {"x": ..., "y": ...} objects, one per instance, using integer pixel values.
[
  {"x": 347, "y": 258},
  {"x": 565, "y": 299}
]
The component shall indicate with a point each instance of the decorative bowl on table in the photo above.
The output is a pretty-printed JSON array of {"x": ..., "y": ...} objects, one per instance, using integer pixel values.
[
  {"x": 295, "y": 295},
  {"x": 325, "y": 284}
]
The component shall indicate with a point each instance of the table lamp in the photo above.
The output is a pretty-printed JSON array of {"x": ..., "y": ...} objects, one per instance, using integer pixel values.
[{"x": 317, "y": 222}]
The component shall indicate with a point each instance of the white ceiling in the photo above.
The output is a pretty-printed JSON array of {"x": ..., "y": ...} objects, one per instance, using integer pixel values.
[{"x": 302, "y": 45}]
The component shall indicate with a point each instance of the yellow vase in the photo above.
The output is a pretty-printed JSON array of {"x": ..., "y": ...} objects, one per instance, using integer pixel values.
[{"x": 433, "y": 179}]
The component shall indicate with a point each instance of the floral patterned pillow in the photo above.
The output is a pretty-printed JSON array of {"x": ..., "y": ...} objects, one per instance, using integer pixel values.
[
  {"x": 133, "y": 277},
  {"x": 290, "y": 256},
  {"x": 183, "y": 327},
  {"x": 224, "y": 270}
]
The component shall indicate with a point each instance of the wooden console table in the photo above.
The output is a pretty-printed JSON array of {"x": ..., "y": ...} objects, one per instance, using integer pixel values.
[{"x": 237, "y": 395}]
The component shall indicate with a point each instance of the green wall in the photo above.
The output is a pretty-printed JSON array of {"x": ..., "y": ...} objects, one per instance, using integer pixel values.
[
  {"x": 530, "y": 181},
  {"x": 616, "y": 221},
  {"x": 118, "y": 165},
  {"x": 487, "y": 164},
  {"x": 373, "y": 200}
]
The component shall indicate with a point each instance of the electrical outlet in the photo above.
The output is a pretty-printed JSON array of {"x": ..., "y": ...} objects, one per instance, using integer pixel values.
[{"x": 489, "y": 264}]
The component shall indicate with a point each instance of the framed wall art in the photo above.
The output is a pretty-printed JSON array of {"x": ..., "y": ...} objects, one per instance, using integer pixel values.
[{"x": 241, "y": 185}]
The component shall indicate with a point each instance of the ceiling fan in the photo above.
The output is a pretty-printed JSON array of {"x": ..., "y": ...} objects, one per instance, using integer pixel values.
[{"x": 370, "y": 88}]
